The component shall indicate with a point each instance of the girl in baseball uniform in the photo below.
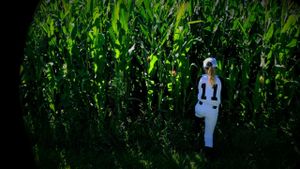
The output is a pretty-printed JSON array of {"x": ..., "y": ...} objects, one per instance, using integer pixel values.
[{"x": 209, "y": 99}]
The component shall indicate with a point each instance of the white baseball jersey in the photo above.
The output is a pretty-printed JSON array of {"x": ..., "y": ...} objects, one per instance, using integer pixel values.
[
  {"x": 207, "y": 94},
  {"x": 209, "y": 99}
]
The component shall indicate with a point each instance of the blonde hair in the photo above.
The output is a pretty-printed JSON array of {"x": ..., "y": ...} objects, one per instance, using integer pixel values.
[{"x": 211, "y": 75}]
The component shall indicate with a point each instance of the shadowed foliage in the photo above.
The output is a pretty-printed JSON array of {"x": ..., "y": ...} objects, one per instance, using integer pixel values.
[{"x": 113, "y": 84}]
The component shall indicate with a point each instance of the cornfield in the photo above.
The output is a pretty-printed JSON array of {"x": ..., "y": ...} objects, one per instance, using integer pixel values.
[{"x": 113, "y": 84}]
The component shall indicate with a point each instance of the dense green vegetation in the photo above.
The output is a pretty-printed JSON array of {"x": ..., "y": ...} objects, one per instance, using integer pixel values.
[{"x": 113, "y": 84}]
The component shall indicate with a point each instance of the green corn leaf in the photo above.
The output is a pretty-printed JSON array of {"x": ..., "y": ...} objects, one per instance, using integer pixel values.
[
  {"x": 124, "y": 17},
  {"x": 101, "y": 40},
  {"x": 71, "y": 26},
  {"x": 65, "y": 5},
  {"x": 235, "y": 24},
  {"x": 95, "y": 67},
  {"x": 281, "y": 56},
  {"x": 148, "y": 8},
  {"x": 51, "y": 31},
  {"x": 117, "y": 51},
  {"x": 150, "y": 92},
  {"x": 96, "y": 14},
  {"x": 152, "y": 63},
  {"x": 138, "y": 2},
  {"x": 194, "y": 22},
  {"x": 166, "y": 36},
  {"x": 297, "y": 33},
  {"x": 115, "y": 17},
  {"x": 52, "y": 107},
  {"x": 242, "y": 28},
  {"x": 209, "y": 19},
  {"x": 180, "y": 13},
  {"x": 269, "y": 34},
  {"x": 64, "y": 30},
  {"x": 190, "y": 8},
  {"x": 289, "y": 23},
  {"x": 177, "y": 34},
  {"x": 91, "y": 36},
  {"x": 292, "y": 44},
  {"x": 117, "y": 42},
  {"x": 89, "y": 6},
  {"x": 144, "y": 15},
  {"x": 111, "y": 33},
  {"x": 278, "y": 76}
]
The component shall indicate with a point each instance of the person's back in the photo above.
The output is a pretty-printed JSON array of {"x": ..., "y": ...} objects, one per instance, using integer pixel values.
[
  {"x": 209, "y": 100},
  {"x": 211, "y": 94}
]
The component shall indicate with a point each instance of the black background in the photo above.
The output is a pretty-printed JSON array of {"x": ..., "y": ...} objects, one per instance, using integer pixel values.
[{"x": 16, "y": 149}]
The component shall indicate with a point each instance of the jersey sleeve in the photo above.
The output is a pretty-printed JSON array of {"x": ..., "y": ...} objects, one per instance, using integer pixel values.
[
  {"x": 219, "y": 91},
  {"x": 199, "y": 88}
]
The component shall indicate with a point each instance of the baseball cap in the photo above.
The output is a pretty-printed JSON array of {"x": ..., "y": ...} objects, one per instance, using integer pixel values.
[{"x": 210, "y": 62}]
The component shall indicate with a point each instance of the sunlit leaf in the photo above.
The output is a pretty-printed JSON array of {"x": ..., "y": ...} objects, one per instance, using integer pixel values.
[
  {"x": 194, "y": 22},
  {"x": 289, "y": 23},
  {"x": 152, "y": 63},
  {"x": 269, "y": 34},
  {"x": 292, "y": 44},
  {"x": 95, "y": 67},
  {"x": 52, "y": 107},
  {"x": 117, "y": 52}
]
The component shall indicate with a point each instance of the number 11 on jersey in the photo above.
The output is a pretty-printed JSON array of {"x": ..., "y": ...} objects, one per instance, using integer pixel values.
[{"x": 215, "y": 88}]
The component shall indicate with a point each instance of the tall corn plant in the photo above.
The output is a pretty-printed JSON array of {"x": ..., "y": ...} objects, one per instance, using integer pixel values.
[
  {"x": 181, "y": 75},
  {"x": 169, "y": 40},
  {"x": 245, "y": 38},
  {"x": 155, "y": 23},
  {"x": 67, "y": 54},
  {"x": 281, "y": 60},
  {"x": 95, "y": 65}
]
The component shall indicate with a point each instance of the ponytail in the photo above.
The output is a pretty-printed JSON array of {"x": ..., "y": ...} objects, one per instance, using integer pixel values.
[{"x": 211, "y": 75}]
